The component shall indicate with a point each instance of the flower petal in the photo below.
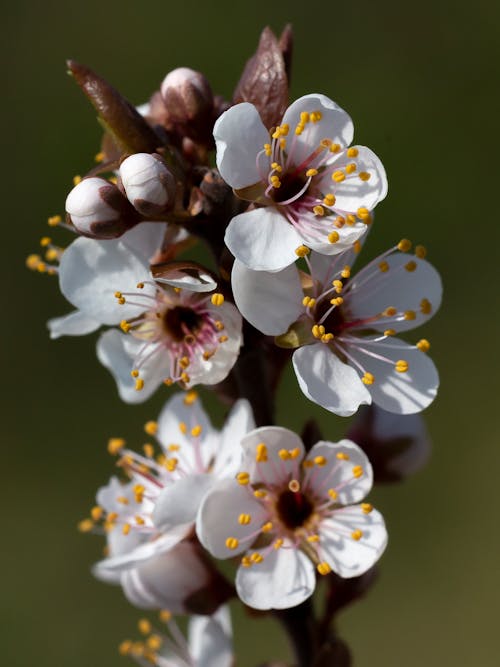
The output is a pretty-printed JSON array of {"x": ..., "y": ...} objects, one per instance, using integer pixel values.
[
  {"x": 239, "y": 136},
  {"x": 407, "y": 284},
  {"x": 262, "y": 240},
  {"x": 317, "y": 238},
  {"x": 145, "y": 238},
  {"x": 350, "y": 557},
  {"x": 72, "y": 324},
  {"x": 351, "y": 478},
  {"x": 178, "y": 502},
  {"x": 365, "y": 187},
  {"x": 117, "y": 351},
  {"x": 177, "y": 418},
  {"x": 262, "y": 460},
  {"x": 335, "y": 124},
  {"x": 284, "y": 578},
  {"x": 269, "y": 301},
  {"x": 92, "y": 271},
  {"x": 228, "y": 453},
  {"x": 218, "y": 518},
  {"x": 209, "y": 638},
  {"x": 403, "y": 393},
  {"x": 326, "y": 380}
]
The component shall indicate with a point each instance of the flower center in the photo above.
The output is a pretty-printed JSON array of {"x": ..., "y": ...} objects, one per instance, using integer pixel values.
[
  {"x": 180, "y": 322},
  {"x": 293, "y": 508}
]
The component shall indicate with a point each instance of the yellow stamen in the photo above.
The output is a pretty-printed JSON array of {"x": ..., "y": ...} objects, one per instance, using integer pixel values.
[
  {"x": 333, "y": 237},
  {"x": 311, "y": 172},
  {"x": 217, "y": 299},
  {"x": 244, "y": 519},
  {"x": 318, "y": 210},
  {"x": 423, "y": 345},
  {"x": 323, "y": 568},
  {"x": 420, "y": 251},
  {"x": 352, "y": 152},
  {"x": 401, "y": 366},
  {"x": 368, "y": 378},
  {"x": 364, "y": 175},
  {"x": 151, "y": 427},
  {"x": 357, "y": 535},
  {"x": 338, "y": 176},
  {"x": 333, "y": 494},
  {"x": 232, "y": 543},
  {"x": 196, "y": 431},
  {"x": 342, "y": 456},
  {"x": 366, "y": 507},
  {"x": 261, "y": 453},
  {"x": 411, "y": 266},
  {"x": 329, "y": 200},
  {"x": 320, "y": 461},
  {"x": 404, "y": 245},
  {"x": 357, "y": 471},
  {"x": 115, "y": 445},
  {"x": 384, "y": 266},
  {"x": 267, "y": 527},
  {"x": 302, "y": 251},
  {"x": 243, "y": 478}
]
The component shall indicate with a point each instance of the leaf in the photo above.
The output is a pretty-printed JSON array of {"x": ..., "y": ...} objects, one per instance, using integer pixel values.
[
  {"x": 120, "y": 118},
  {"x": 264, "y": 82}
]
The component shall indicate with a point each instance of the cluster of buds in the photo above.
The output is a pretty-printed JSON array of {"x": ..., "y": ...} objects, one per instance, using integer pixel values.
[{"x": 284, "y": 216}]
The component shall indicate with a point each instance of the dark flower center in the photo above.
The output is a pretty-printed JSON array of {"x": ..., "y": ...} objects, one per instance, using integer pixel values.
[
  {"x": 180, "y": 322},
  {"x": 294, "y": 508}
]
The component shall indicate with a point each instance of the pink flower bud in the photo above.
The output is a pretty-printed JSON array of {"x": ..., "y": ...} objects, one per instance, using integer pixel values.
[
  {"x": 148, "y": 183},
  {"x": 98, "y": 209},
  {"x": 189, "y": 102}
]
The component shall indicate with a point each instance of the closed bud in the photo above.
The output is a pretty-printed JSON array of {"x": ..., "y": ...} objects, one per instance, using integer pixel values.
[
  {"x": 189, "y": 101},
  {"x": 98, "y": 209},
  {"x": 148, "y": 183}
]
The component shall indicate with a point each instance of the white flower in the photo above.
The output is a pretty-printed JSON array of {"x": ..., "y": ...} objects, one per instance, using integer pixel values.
[
  {"x": 209, "y": 642},
  {"x": 156, "y": 509},
  {"x": 344, "y": 326},
  {"x": 315, "y": 191},
  {"x": 287, "y": 515},
  {"x": 175, "y": 332}
]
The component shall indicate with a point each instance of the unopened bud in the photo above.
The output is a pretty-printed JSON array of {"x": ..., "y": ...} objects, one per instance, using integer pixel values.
[
  {"x": 98, "y": 209},
  {"x": 189, "y": 102},
  {"x": 148, "y": 183}
]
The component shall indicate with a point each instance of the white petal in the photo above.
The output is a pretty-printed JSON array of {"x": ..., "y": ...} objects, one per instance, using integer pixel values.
[
  {"x": 404, "y": 290},
  {"x": 346, "y": 556},
  {"x": 195, "y": 281},
  {"x": 117, "y": 351},
  {"x": 353, "y": 192},
  {"x": 178, "y": 502},
  {"x": 210, "y": 639},
  {"x": 335, "y": 124},
  {"x": 273, "y": 470},
  {"x": 403, "y": 393},
  {"x": 326, "y": 380},
  {"x": 283, "y": 579},
  {"x": 318, "y": 240},
  {"x": 166, "y": 581},
  {"x": 146, "y": 238},
  {"x": 338, "y": 474},
  {"x": 175, "y": 422},
  {"x": 92, "y": 271},
  {"x": 228, "y": 454},
  {"x": 218, "y": 518},
  {"x": 72, "y": 324},
  {"x": 216, "y": 368},
  {"x": 269, "y": 301},
  {"x": 239, "y": 136},
  {"x": 263, "y": 240}
]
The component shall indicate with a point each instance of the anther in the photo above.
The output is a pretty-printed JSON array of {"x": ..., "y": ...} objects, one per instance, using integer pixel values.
[
  {"x": 267, "y": 527},
  {"x": 149, "y": 450},
  {"x": 139, "y": 384},
  {"x": 313, "y": 538},
  {"x": 357, "y": 471},
  {"x": 243, "y": 478},
  {"x": 390, "y": 311},
  {"x": 311, "y": 172},
  {"x": 333, "y": 237},
  {"x": 256, "y": 557},
  {"x": 338, "y": 176},
  {"x": 368, "y": 378},
  {"x": 151, "y": 427},
  {"x": 364, "y": 175},
  {"x": 425, "y": 307},
  {"x": 423, "y": 345},
  {"x": 333, "y": 494},
  {"x": 217, "y": 299},
  {"x": 329, "y": 200},
  {"x": 261, "y": 453},
  {"x": 404, "y": 245},
  {"x": 357, "y": 535},
  {"x": 302, "y": 251},
  {"x": 339, "y": 222},
  {"x": 334, "y": 148},
  {"x": 350, "y": 219},
  {"x": 54, "y": 220},
  {"x": 420, "y": 251},
  {"x": 196, "y": 431},
  {"x": 320, "y": 461},
  {"x": 144, "y": 626},
  {"x": 390, "y": 332},
  {"x": 401, "y": 366},
  {"x": 115, "y": 445},
  {"x": 366, "y": 507},
  {"x": 384, "y": 266},
  {"x": 337, "y": 301},
  {"x": 85, "y": 526},
  {"x": 96, "y": 513},
  {"x": 232, "y": 543},
  {"x": 244, "y": 519},
  {"x": 410, "y": 315},
  {"x": 352, "y": 152},
  {"x": 318, "y": 210},
  {"x": 411, "y": 266},
  {"x": 342, "y": 456},
  {"x": 350, "y": 168},
  {"x": 346, "y": 272},
  {"x": 323, "y": 568}
]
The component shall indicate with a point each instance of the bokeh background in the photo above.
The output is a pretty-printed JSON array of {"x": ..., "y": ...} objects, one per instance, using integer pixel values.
[{"x": 420, "y": 81}]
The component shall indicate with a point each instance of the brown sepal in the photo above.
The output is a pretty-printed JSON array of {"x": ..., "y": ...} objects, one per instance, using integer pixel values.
[
  {"x": 264, "y": 82},
  {"x": 120, "y": 118}
]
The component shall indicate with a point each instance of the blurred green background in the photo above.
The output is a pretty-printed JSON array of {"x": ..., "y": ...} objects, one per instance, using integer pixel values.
[{"x": 420, "y": 81}]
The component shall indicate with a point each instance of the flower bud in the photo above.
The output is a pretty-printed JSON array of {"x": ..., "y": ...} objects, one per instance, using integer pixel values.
[
  {"x": 189, "y": 102},
  {"x": 148, "y": 183},
  {"x": 182, "y": 580},
  {"x": 98, "y": 209}
]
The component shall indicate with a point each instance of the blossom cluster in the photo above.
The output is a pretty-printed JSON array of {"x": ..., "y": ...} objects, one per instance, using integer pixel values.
[{"x": 284, "y": 214}]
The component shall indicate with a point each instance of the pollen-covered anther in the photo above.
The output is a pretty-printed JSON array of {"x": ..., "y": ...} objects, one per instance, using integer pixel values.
[
  {"x": 232, "y": 543},
  {"x": 404, "y": 245},
  {"x": 327, "y": 338},
  {"x": 85, "y": 526},
  {"x": 357, "y": 535},
  {"x": 411, "y": 266},
  {"x": 342, "y": 456},
  {"x": 267, "y": 149},
  {"x": 346, "y": 272},
  {"x": 329, "y": 200},
  {"x": 423, "y": 345},
  {"x": 323, "y": 568},
  {"x": 334, "y": 148},
  {"x": 244, "y": 519},
  {"x": 196, "y": 431},
  {"x": 275, "y": 181},
  {"x": 384, "y": 266},
  {"x": 333, "y": 494},
  {"x": 217, "y": 299},
  {"x": 357, "y": 471},
  {"x": 125, "y": 326},
  {"x": 425, "y": 307},
  {"x": 267, "y": 527},
  {"x": 350, "y": 219},
  {"x": 276, "y": 167},
  {"x": 313, "y": 539},
  {"x": 126, "y": 528},
  {"x": 390, "y": 311},
  {"x": 410, "y": 315},
  {"x": 333, "y": 237},
  {"x": 260, "y": 493},
  {"x": 368, "y": 378},
  {"x": 364, "y": 175},
  {"x": 246, "y": 562},
  {"x": 338, "y": 176},
  {"x": 144, "y": 626},
  {"x": 309, "y": 302},
  {"x": 302, "y": 251},
  {"x": 366, "y": 508},
  {"x": 54, "y": 220},
  {"x": 223, "y": 339},
  {"x": 139, "y": 384},
  {"x": 284, "y": 454},
  {"x": 350, "y": 168},
  {"x": 278, "y": 543},
  {"x": 401, "y": 366},
  {"x": 320, "y": 461},
  {"x": 318, "y": 330},
  {"x": 389, "y": 332},
  {"x": 261, "y": 453},
  {"x": 318, "y": 210},
  {"x": 420, "y": 251},
  {"x": 339, "y": 222},
  {"x": 96, "y": 513},
  {"x": 125, "y": 647},
  {"x": 243, "y": 478},
  {"x": 338, "y": 284},
  {"x": 337, "y": 301},
  {"x": 256, "y": 557},
  {"x": 151, "y": 427},
  {"x": 115, "y": 445}
]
